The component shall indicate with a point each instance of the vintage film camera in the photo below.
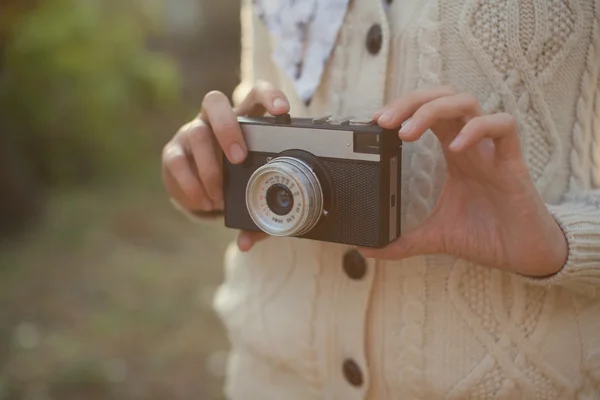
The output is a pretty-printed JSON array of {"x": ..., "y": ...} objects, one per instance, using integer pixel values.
[{"x": 332, "y": 180}]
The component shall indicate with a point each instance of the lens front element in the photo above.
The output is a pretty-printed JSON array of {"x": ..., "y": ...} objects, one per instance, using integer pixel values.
[
  {"x": 280, "y": 199},
  {"x": 284, "y": 197}
]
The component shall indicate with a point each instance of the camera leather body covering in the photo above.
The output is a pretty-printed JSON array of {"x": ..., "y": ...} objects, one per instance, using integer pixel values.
[{"x": 321, "y": 179}]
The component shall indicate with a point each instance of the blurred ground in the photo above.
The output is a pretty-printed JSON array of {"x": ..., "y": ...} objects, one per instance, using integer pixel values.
[
  {"x": 110, "y": 299},
  {"x": 106, "y": 296}
]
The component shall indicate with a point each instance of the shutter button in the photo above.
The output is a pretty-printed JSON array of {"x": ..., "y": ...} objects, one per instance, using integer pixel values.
[
  {"x": 283, "y": 119},
  {"x": 355, "y": 265},
  {"x": 374, "y": 39},
  {"x": 352, "y": 373}
]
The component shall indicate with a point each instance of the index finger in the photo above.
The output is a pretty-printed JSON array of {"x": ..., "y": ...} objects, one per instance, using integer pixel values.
[
  {"x": 401, "y": 109},
  {"x": 218, "y": 114}
]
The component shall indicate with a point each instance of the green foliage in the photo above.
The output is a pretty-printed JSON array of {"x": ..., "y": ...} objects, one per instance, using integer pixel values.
[{"x": 78, "y": 85}]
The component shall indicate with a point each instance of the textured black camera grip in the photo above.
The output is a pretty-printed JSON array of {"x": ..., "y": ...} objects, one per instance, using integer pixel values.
[{"x": 356, "y": 217}]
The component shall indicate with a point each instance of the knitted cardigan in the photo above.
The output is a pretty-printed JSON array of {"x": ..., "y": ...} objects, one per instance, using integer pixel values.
[{"x": 435, "y": 327}]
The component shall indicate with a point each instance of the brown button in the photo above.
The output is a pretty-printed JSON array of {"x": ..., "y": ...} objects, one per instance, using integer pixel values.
[
  {"x": 374, "y": 39},
  {"x": 355, "y": 265},
  {"x": 352, "y": 373}
]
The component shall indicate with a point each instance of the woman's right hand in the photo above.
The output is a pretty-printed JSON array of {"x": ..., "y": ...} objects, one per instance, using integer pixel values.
[{"x": 191, "y": 160}]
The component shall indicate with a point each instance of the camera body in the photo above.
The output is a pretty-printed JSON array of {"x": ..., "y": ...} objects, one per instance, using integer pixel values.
[{"x": 321, "y": 179}]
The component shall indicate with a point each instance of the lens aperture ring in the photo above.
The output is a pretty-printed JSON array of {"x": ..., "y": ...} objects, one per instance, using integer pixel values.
[{"x": 302, "y": 182}]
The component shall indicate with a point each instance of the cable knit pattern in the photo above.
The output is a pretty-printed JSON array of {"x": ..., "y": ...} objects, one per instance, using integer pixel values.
[
  {"x": 521, "y": 63},
  {"x": 424, "y": 162},
  {"x": 426, "y": 154},
  {"x": 439, "y": 328},
  {"x": 586, "y": 131},
  {"x": 477, "y": 293},
  {"x": 561, "y": 25}
]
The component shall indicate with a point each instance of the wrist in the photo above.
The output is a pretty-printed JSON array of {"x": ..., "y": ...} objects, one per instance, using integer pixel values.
[
  {"x": 561, "y": 246},
  {"x": 556, "y": 252}
]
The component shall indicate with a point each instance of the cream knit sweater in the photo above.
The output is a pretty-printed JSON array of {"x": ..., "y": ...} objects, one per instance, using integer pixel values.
[{"x": 435, "y": 327}]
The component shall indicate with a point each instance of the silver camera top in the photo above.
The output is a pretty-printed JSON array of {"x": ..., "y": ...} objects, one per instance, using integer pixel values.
[{"x": 328, "y": 136}]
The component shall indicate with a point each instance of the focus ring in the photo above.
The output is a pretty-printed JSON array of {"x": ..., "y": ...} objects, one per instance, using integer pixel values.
[{"x": 308, "y": 195}]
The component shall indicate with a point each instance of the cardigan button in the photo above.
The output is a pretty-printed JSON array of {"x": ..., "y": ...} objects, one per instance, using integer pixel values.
[
  {"x": 355, "y": 265},
  {"x": 352, "y": 373},
  {"x": 374, "y": 39}
]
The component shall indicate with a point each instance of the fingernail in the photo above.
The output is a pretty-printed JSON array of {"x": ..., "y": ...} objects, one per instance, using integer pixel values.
[
  {"x": 386, "y": 117},
  {"x": 236, "y": 153},
  {"x": 244, "y": 242},
  {"x": 377, "y": 115},
  {"x": 457, "y": 142},
  {"x": 406, "y": 127},
  {"x": 279, "y": 103}
]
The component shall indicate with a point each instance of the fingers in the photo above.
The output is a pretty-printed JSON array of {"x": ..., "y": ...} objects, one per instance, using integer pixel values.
[
  {"x": 463, "y": 106},
  {"x": 192, "y": 170},
  {"x": 465, "y": 124},
  {"x": 425, "y": 239},
  {"x": 217, "y": 112},
  {"x": 222, "y": 118},
  {"x": 264, "y": 97},
  {"x": 401, "y": 109},
  {"x": 246, "y": 239},
  {"x": 203, "y": 146},
  {"x": 180, "y": 180},
  {"x": 501, "y": 128}
]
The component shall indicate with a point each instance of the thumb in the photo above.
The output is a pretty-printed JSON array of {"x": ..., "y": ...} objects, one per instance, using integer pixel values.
[
  {"x": 421, "y": 241},
  {"x": 246, "y": 239}
]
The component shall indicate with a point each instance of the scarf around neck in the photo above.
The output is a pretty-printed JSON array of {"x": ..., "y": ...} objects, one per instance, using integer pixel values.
[{"x": 305, "y": 33}]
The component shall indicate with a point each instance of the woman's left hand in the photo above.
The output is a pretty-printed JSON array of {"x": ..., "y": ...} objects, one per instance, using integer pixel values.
[{"x": 489, "y": 211}]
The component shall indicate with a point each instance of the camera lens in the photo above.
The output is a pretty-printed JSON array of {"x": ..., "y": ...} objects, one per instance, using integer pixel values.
[
  {"x": 280, "y": 199},
  {"x": 284, "y": 197}
]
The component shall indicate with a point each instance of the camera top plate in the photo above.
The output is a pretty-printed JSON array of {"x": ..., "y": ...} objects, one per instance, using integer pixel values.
[
  {"x": 326, "y": 122},
  {"x": 325, "y": 137}
]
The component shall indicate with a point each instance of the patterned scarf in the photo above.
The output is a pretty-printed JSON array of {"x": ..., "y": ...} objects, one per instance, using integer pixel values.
[{"x": 305, "y": 32}]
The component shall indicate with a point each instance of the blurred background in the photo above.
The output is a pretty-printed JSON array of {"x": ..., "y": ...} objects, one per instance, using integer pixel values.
[{"x": 105, "y": 290}]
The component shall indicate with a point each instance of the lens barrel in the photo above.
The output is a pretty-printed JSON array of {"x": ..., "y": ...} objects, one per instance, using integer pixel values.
[{"x": 284, "y": 197}]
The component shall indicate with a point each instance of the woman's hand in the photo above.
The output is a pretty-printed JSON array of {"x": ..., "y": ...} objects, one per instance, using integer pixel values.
[
  {"x": 191, "y": 161},
  {"x": 489, "y": 211}
]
